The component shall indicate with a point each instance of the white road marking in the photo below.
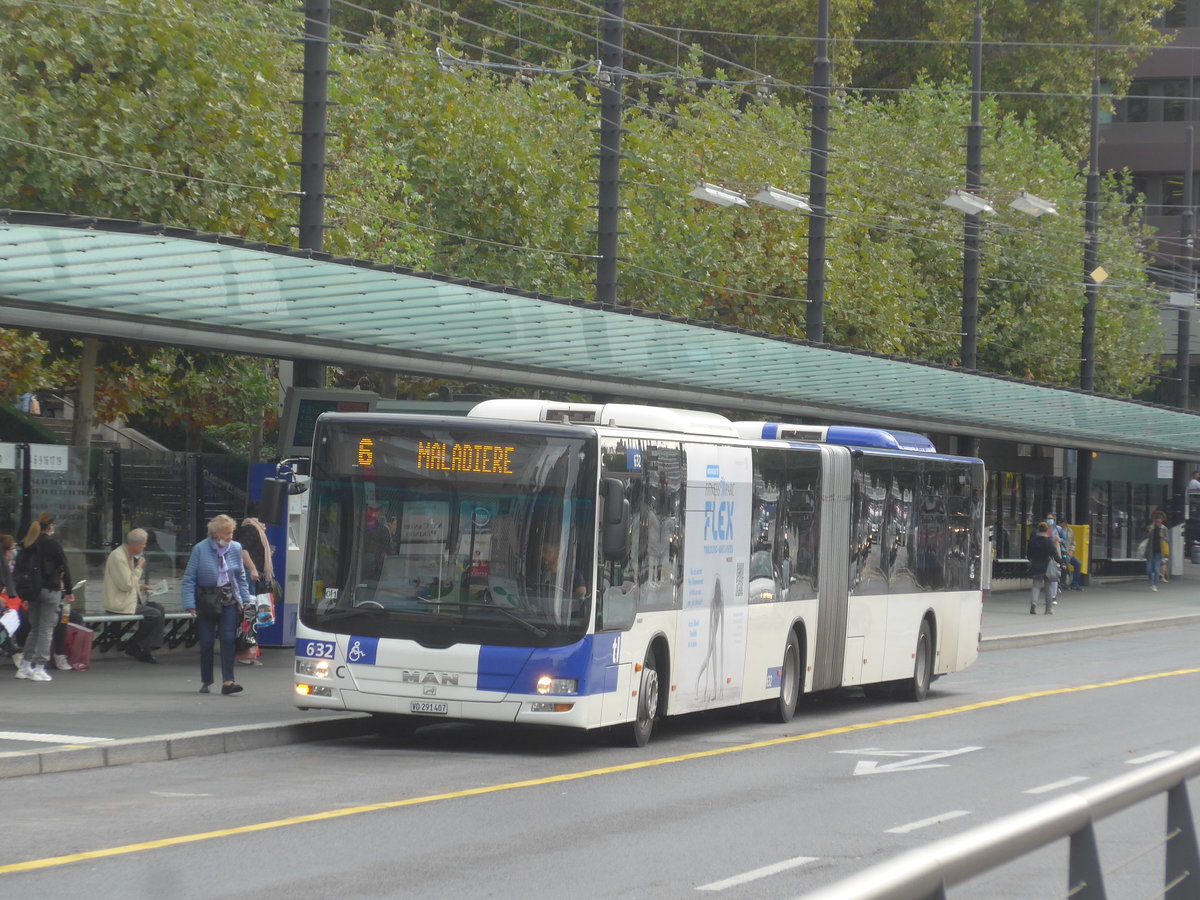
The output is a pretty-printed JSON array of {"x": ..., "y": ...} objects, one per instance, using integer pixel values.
[
  {"x": 755, "y": 874},
  {"x": 919, "y": 759},
  {"x": 1055, "y": 785},
  {"x": 176, "y": 794},
  {"x": 50, "y": 738},
  {"x": 1149, "y": 757},
  {"x": 925, "y": 823}
]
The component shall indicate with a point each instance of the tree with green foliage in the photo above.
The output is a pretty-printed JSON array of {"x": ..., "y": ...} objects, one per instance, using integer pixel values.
[
  {"x": 486, "y": 175},
  {"x": 159, "y": 110},
  {"x": 1038, "y": 58}
]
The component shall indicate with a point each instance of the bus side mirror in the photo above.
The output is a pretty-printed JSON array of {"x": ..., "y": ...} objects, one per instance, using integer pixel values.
[
  {"x": 273, "y": 504},
  {"x": 614, "y": 534}
]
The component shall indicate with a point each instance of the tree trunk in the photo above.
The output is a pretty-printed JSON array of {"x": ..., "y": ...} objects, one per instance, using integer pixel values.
[{"x": 85, "y": 407}]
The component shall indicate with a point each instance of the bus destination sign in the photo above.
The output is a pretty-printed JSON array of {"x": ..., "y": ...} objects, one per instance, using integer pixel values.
[{"x": 491, "y": 459}]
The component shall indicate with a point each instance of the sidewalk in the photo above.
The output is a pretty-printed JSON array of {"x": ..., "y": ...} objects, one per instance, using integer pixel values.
[
  {"x": 123, "y": 711},
  {"x": 1106, "y": 608}
]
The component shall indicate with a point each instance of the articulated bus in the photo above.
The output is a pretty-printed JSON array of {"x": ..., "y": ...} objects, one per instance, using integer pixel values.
[{"x": 601, "y": 566}]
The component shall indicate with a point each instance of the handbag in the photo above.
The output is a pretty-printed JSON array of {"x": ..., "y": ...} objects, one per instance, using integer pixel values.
[
  {"x": 1142, "y": 547},
  {"x": 210, "y": 600},
  {"x": 1052, "y": 569}
]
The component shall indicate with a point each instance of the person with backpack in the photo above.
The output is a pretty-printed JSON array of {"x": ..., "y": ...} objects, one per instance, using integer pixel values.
[{"x": 41, "y": 577}]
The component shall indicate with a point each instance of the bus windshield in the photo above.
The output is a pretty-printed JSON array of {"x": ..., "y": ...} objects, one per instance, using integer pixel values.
[{"x": 450, "y": 533}]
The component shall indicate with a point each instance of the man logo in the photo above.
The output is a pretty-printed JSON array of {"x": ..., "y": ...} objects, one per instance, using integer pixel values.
[{"x": 415, "y": 676}]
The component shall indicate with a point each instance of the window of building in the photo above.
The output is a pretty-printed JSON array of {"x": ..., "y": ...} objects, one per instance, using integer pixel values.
[
  {"x": 1177, "y": 16},
  {"x": 1175, "y": 100},
  {"x": 1137, "y": 103}
]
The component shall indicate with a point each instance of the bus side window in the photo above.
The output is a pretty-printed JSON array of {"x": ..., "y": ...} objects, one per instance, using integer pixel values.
[
  {"x": 901, "y": 544},
  {"x": 802, "y": 535}
]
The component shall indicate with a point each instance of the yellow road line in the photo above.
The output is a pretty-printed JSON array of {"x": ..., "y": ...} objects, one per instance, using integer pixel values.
[{"x": 53, "y": 861}]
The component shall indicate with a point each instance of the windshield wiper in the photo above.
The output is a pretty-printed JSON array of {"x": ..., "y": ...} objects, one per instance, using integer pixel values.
[
  {"x": 369, "y": 612},
  {"x": 486, "y": 595},
  {"x": 535, "y": 630}
]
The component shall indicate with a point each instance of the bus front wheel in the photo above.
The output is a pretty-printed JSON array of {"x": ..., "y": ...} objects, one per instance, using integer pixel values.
[
  {"x": 639, "y": 729},
  {"x": 918, "y": 688},
  {"x": 783, "y": 707}
]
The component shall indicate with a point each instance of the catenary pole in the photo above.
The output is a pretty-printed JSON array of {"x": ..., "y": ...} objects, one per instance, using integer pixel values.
[
  {"x": 608, "y": 202},
  {"x": 1091, "y": 262},
  {"x": 970, "y": 291},
  {"x": 818, "y": 180},
  {"x": 314, "y": 136},
  {"x": 1183, "y": 336}
]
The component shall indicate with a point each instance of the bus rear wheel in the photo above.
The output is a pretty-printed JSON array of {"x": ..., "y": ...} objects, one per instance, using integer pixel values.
[
  {"x": 918, "y": 688},
  {"x": 783, "y": 707},
  {"x": 638, "y": 731}
]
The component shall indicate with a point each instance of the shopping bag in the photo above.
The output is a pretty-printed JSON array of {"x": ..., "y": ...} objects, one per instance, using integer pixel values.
[
  {"x": 264, "y": 610},
  {"x": 79, "y": 647}
]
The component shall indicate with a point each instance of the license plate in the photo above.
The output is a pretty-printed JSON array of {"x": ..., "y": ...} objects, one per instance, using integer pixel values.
[{"x": 429, "y": 707}]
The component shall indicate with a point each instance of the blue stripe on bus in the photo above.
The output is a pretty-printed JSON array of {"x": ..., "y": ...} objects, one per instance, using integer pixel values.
[{"x": 590, "y": 662}]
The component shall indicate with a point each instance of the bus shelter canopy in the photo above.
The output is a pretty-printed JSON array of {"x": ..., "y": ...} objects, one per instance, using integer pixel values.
[{"x": 139, "y": 282}]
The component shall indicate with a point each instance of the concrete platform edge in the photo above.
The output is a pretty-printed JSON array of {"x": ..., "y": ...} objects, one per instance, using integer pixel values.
[
  {"x": 162, "y": 747},
  {"x": 1033, "y": 639}
]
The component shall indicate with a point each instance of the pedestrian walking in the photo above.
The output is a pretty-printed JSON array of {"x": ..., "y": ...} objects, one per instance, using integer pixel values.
[
  {"x": 1044, "y": 563},
  {"x": 214, "y": 590},
  {"x": 42, "y": 576},
  {"x": 1155, "y": 549}
]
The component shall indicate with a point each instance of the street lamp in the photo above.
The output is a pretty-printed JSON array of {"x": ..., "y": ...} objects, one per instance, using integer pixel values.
[
  {"x": 965, "y": 201},
  {"x": 780, "y": 199},
  {"x": 1032, "y": 205},
  {"x": 714, "y": 193}
]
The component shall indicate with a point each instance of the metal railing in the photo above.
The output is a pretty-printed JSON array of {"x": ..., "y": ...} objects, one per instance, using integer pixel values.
[{"x": 925, "y": 873}]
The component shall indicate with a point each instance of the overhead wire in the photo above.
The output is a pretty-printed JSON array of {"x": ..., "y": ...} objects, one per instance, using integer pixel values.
[{"x": 490, "y": 50}]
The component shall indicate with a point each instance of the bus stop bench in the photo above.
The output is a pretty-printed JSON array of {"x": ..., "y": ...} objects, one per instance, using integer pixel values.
[{"x": 113, "y": 630}]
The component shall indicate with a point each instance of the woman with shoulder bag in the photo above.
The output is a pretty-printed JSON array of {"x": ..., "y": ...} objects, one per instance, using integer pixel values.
[
  {"x": 214, "y": 591},
  {"x": 1044, "y": 562},
  {"x": 46, "y": 566},
  {"x": 260, "y": 572},
  {"x": 1156, "y": 537}
]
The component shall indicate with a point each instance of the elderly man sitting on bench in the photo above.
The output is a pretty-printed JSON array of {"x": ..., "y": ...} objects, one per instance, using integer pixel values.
[{"x": 124, "y": 595}]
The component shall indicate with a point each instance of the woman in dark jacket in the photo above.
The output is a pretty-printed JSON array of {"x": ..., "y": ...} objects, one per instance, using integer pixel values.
[
  {"x": 47, "y": 554},
  {"x": 1043, "y": 552}
]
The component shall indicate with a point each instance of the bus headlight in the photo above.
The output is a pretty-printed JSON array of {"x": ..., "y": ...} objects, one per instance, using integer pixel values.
[
  {"x": 548, "y": 685},
  {"x": 313, "y": 668}
]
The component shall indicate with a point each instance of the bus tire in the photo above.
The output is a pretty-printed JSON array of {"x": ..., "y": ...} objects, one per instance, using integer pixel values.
[
  {"x": 918, "y": 688},
  {"x": 638, "y": 731},
  {"x": 783, "y": 707}
]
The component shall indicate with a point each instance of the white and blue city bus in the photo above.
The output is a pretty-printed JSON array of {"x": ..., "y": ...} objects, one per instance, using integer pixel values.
[{"x": 596, "y": 566}]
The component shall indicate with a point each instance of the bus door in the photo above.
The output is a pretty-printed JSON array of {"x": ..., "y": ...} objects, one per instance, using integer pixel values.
[{"x": 834, "y": 571}]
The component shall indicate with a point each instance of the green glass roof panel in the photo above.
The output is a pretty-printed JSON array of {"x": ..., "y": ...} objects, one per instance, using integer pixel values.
[{"x": 132, "y": 281}]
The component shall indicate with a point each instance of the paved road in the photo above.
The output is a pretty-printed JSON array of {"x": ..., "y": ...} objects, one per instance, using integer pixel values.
[
  {"x": 721, "y": 803},
  {"x": 122, "y": 711}
]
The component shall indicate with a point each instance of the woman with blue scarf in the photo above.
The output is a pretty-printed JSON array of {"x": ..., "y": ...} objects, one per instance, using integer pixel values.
[{"x": 214, "y": 590}]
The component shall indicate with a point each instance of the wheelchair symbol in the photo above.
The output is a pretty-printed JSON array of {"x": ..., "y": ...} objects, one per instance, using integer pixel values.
[{"x": 356, "y": 652}]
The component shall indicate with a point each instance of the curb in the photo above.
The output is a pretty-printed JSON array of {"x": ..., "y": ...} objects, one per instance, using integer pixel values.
[
  {"x": 181, "y": 745},
  {"x": 1033, "y": 639}
]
